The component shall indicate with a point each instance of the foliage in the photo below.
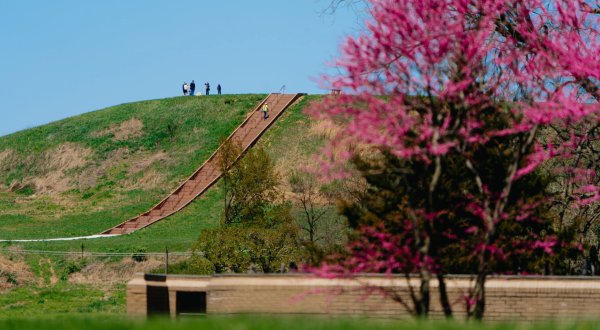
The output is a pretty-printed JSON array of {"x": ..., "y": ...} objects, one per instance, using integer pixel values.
[
  {"x": 140, "y": 254},
  {"x": 257, "y": 230},
  {"x": 275, "y": 247},
  {"x": 578, "y": 217},
  {"x": 225, "y": 248},
  {"x": 263, "y": 246},
  {"x": 195, "y": 265},
  {"x": 9, "y": 277},
  {"x": 71, "y": 266},
  {"x": 392, "y": 184},
  {"x": 250, "y": 186},
  {"x": 439, "y": 85}
]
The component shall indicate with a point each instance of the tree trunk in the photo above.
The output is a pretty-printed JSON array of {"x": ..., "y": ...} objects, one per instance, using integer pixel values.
[
  {"x": 444, "y": 296},
  {"x": 225, "y": 204},
  {"x": 480, "y": 296},
  {"x": 423, "y": 308}
]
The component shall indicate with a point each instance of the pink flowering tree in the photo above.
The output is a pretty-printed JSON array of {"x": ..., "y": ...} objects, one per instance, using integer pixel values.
[{"x": 434, "y": 83}]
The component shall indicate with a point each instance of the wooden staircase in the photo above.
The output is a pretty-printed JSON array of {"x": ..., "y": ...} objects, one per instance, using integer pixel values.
[{"x": 207, "y": 174}]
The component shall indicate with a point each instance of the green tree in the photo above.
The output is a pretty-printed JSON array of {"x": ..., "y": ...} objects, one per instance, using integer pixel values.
[
  {"x": 230, "y": 152},
  {"x": 226, "y": 248},
  {"x": 250, "y": 185},
  {"x": 257, "y": 229}
]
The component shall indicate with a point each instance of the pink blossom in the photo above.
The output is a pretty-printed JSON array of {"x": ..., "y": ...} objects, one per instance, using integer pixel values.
[{"x": 424, "y": 82}]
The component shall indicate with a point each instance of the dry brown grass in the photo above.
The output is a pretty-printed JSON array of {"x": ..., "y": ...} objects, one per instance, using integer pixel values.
[
  {"x": 54, "y": 163},
  {"x": 292, "y": 158},
  {"x": 114, "y": 273},
  {"x": 66, "y": 156},
  {"x": 151, "y": 179},
  {"x": 5, "y": 155},
  {"x": 128, "y": 129},
  {"x": 325, "y": 129},
  {"x": 51, "y": 165},
  {"x": 133, "y": 163},
  {"x": 89, "y": 178},
  {"x": 7, "y": 160},
  {"x": 52, "y": 183},
  {"x": 14, "y": 272},
  {"x": 56, "y": 179},
  {"x": 148, "y": 161}
]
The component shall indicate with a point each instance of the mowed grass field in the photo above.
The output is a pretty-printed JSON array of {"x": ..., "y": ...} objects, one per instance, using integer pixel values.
[{"x": 278, "y": 322}]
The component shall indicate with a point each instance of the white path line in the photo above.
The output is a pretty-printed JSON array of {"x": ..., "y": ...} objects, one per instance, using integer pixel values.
[{"x": 57, "y": 239}]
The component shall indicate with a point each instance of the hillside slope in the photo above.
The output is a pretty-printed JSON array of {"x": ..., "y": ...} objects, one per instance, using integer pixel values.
[
  {"x": 291, "y": 142},
  {"x": 90, "y": 172}
]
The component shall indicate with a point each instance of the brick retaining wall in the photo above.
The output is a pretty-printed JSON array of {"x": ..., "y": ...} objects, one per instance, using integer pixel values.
[{"x": 508, "y": 298}]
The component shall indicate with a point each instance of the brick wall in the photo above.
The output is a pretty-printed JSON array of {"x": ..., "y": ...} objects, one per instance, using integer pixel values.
[{"x": 508, "y": 298}]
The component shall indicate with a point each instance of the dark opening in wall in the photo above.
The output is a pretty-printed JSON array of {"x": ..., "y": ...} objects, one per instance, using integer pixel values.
[
  {"x": 191, "y": 303},
  {"x": 158, "y": 300}
]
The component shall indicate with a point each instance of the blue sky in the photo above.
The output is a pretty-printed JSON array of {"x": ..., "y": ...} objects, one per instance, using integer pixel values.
[{"x": 62, "y": 58}]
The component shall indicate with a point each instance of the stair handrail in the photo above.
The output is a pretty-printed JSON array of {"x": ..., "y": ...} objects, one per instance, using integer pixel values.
[{"x": 279, "y": 93}]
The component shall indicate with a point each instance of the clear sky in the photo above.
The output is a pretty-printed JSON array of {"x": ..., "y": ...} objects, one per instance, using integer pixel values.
[{"x": 61, "y": 58}]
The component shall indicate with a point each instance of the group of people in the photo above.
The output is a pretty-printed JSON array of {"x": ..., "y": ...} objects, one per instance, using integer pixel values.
[{"x": 191, "y": 88}]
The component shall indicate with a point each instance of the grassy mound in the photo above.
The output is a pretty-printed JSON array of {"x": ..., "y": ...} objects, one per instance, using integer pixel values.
[
  {"x": 85, "y": 174},
  {"x": 120, "y": 161}
]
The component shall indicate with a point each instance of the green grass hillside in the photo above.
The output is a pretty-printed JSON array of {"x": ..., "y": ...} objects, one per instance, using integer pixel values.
[
  {"x": 84, "y": 174},
  {"x": 88, "y": 173}
]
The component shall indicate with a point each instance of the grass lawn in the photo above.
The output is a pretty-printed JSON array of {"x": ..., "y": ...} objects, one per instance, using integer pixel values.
[
  {"x": 272, "y": 322},
  {"x": 63, "y": 299},
  {"x": 176, "y": 233}
]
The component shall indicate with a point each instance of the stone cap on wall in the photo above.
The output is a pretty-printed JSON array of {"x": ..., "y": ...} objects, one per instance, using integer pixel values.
[{"x": 380, "y": 280}]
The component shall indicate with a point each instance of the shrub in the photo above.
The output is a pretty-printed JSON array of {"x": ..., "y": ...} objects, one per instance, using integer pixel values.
[
  {"x": 71, "y": 266},
  {"x": 195, "y": 265},
  {"x": 140, "y": 254}
]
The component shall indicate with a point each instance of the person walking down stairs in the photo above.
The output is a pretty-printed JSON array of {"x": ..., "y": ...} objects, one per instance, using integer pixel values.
[{"x": 265, "y": 110}]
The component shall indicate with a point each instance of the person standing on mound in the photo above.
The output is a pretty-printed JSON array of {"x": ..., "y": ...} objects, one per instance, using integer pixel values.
[
  {"x": 265, "y": 110},
  {"x": 192, "y": 88},
  {"x": 207, "y": 88},
  {"x": 219, "y": 89},
  {"x": 185, "y": 88}
]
